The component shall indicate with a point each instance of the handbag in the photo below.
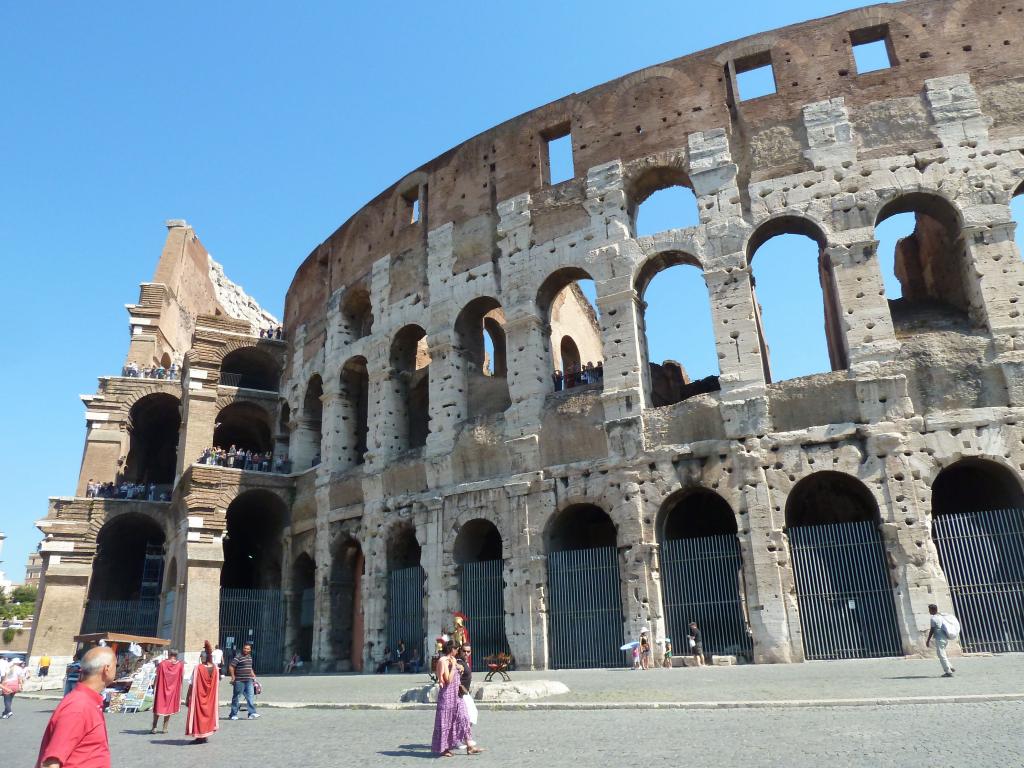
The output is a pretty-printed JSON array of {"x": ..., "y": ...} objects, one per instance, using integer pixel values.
[
  {"x": 11, "y": 686},
  {"x": 256, "y": 687},
  {"x": 471, "y": 709},
  {"x": 693, "y": 643}
]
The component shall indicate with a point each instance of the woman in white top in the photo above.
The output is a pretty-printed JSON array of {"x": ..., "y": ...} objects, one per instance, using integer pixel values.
[{"x": 11, "y": 685}]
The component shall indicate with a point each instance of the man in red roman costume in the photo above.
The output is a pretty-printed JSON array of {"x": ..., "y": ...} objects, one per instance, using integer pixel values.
[
  {"x": 167, "y": 691},
  {"x": 201, "y": 721}
]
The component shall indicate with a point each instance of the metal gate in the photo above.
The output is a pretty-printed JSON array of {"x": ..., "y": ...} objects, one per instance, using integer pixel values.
[
  {"x": 129, "y": 617},
  {"x": 982, "y": 555},
  {"x": 584, "y": 608},
  {"x": 405, "y": 608},
  {"x": 843, "y": 591},
  {"x": 481, "y": 594},
  {"x": 167, "y": 620},
  {"x": 253, "y": 616},
  {"x": 702, "y": 584}
]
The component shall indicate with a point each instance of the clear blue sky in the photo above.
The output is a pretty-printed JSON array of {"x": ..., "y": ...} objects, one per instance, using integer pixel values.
[{"x": 265, "y": 128}]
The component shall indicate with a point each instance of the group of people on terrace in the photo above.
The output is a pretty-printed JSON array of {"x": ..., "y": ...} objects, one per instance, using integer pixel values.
[
  {"x": 133, "y": 371},
  {"x": 238, "y": 458},
  {"x": 272, "y": 333},
  {"x": 126, "y": 490},
  {"x": 578, "y": 376}
]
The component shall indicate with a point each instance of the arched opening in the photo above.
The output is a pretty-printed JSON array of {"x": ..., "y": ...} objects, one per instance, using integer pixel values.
[
  {"x": 357, "y": 313},
  {"x": 250, "y": 579},
  {"x": 355, "y": 398},
  {"x": 251, "y": 368},
  {"x": 702, "y": 571},
  {"x": 567, "y": 302},
  {"x": 244, "y": 427},
  {"x": 153, "y": 423},
  {"x": 480, "y": 568},
  {"x": 165, "y": 360},
  {"x": 406, "y": 590},
  {"x": 347, "y": 566},
  {"x": 480, "y": 335},
  {"x": 410, "y": 365},
  {"x": 843, "y": 588},
  {"x": 127, "y": 575},
  {"x": 978, "y": 528},
  {"x": 924, "y": 262},
  {"x": 675, "y": 296},
  {"x": 305, "y": 444},
  {"x": 794, "y": 300},
  {"x": 660, "y": 200},
  {"x": 584, "y": 590},
  {"x": 301, "y": 608}
]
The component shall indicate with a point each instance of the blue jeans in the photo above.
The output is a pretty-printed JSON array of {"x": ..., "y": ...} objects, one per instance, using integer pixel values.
[{"x": 238, "y": 688}]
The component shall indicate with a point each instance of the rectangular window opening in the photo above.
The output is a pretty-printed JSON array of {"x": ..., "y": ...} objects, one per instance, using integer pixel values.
[
  {"x": 755, "y": 76},
  {"x": 558, "y": 165},
  {"x": 411, "y": 198},
  {"x": 872, "y": 49}
]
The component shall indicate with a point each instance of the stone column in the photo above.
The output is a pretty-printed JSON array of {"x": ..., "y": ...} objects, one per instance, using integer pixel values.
[
  {"x": 63, "y": 591},
  {"x": 861, "y": 306},
  {"x": 638, "y": 563},
  {"x": 198, "y": 417},
  {"x": 737, "y": 341},
  {"x": 201, "y": 598},
  {"x": 323, "y": 619},
  {"x": 449, "y": 404},
  {"x": 994, "y": 270},
  {"x": 104, "y": 445},
  {"x": 334, "y": 437}
]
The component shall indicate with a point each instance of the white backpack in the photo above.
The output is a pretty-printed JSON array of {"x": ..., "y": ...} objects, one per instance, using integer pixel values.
[{"x": 951, "y": 625}]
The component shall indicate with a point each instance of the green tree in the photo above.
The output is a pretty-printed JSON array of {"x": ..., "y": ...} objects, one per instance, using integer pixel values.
[{"x": 24, "y": 594}]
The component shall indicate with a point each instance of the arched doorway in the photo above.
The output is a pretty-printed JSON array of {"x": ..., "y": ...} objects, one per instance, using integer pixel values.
[
  {"x": 480, "y": 567},
  {"x": 843, "y": 588},
  {"x": 153, "y": 423},
  {"x": 306, "y": 440},
  {"x": 702, "y": 570},
  {"x": 249, "y": 368},
  {"x": 566, "y": 301},
  {"x": 406, "y": 590},
  {"x": 127, "y": 576},
  {"x": 346, "y": 640},
  {"x": 355, "y": 393},
  {"x": 978, "y": 528},
  {"x": 585, "y": 605},
  {"x": 480, "y": 332},
  {"x": 250, "y": 580},
  {"x": 410, "y": 371},
  {"x": 301, "y": 607},
  {"x": 244, "y": 426}
]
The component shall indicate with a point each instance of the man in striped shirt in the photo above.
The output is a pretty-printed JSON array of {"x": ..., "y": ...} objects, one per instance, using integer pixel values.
[{"x": 243, "y": 678}]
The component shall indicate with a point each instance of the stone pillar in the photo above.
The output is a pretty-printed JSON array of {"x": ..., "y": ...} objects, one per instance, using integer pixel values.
[
  {"x": 201, "y": 597},
  {"x": 861, "y": 306},
  {"x": 737, "y": 340},
  {"x": 449, "y": 404},
  {"x": 529, "y": 368},
  {"x": 638, "y": 564},
  {"x": 334, "y": 428},
  {"x": 198, "y": 417},
  {"x": 765, "y": 562},
  {"x": 62, "y": 594},
  {"x": 104, "y": 445},
  {"x": 994, "y": 271},
  {"x": 323, "y": 652}
]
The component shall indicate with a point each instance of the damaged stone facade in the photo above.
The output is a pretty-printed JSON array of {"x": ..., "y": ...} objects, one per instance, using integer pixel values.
[{"x": 399, "y": 445}]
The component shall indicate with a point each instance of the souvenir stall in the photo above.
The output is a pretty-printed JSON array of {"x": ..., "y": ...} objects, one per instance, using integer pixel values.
[{"x": 137, "y": 657}]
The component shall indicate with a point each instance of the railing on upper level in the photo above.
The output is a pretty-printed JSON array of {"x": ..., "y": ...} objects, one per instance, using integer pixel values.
[{"x": 245, "y": 381}]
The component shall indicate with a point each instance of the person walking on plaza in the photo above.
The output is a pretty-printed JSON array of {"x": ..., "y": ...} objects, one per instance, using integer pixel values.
[
  {"x": 201, "y": 720},
  {"x": 939, "y": 631},
  {"x": 10, "y": 685},
  {"x": 696, "y": 644},
  {"x": 464, "y": 658},
  {"x": 77, "y": 732},
  {"x": 645, "y": 649},
  {"x": 243, "y": 681},
  {"x": 44, "y": 665},
  {"x": 167, "y": 689},
  {"x": 451, "y": 721},
  {"x": 218, "y": 660}
]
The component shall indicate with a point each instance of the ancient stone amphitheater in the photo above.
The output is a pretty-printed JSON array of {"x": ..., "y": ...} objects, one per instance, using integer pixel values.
[{"x": 426, "y": 460}]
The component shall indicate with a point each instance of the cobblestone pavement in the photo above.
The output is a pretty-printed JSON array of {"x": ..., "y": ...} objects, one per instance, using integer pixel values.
[
  {"x": 976, "y": 735},
  {"x": 862, "y": 679}
]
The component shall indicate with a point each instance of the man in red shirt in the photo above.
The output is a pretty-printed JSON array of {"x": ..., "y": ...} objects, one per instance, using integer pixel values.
[{"x": 76, "y": 736}]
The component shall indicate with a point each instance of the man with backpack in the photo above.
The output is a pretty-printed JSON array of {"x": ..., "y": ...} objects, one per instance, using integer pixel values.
[{"x": 943, "y": 629}]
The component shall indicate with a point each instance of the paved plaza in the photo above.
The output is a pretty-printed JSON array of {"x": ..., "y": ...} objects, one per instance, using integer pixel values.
[{"x": 892, "y": 712}]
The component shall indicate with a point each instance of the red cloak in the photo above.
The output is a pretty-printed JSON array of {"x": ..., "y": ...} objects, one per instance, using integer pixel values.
[
  {"x": 202, "y": 702},
  {"x": 167, "y": 693}
]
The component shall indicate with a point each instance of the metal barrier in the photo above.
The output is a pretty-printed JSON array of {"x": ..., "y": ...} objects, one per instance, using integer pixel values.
[
  {"x": 254, "y": 616},
  {"x": 481, "y": 594},
  {"x": 405, "y": 608},
  {"x": 702, "y": 584},
  {"x": 982, "y": 555},
  {"x": 843, "y": 591},
  {"x": 584, "y": 609},
  {"x": 129, "y": 617}
]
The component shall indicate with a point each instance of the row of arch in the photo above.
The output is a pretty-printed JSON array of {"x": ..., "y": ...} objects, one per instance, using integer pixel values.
[{"x": 700, "y": 546}]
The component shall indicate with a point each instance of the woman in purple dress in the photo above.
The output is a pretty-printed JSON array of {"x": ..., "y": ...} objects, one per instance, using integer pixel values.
[{"x": 451, "y": 723}]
